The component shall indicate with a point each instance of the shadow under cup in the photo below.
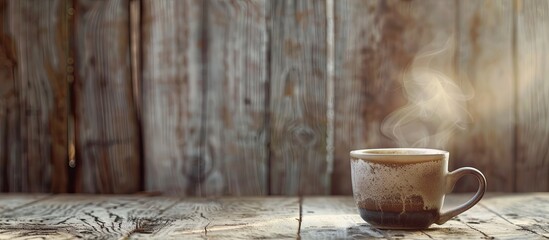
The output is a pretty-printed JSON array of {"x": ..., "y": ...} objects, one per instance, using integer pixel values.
[{"x": 404, "y": 188}]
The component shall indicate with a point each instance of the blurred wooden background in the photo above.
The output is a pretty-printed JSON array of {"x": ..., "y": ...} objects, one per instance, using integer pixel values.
[{"x": 240, "y": 97}]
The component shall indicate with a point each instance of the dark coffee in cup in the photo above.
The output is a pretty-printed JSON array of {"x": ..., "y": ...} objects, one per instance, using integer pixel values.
[{"x": 395, "y": 214}]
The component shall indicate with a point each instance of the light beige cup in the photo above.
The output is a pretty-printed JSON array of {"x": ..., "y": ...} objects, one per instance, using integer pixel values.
[{"x": 404, "y": 188}]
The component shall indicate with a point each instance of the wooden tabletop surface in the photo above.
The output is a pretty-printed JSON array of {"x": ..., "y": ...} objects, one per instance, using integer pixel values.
[{"x": 499, "y": 216}]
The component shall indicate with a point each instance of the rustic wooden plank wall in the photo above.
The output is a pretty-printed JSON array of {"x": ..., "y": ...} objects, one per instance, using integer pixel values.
[
  {"x": 200, "y": 144},
  {"x": 236, "y": 97}
]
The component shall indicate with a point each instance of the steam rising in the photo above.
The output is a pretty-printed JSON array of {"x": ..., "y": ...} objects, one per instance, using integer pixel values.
[{"x": 436, "y": 105}]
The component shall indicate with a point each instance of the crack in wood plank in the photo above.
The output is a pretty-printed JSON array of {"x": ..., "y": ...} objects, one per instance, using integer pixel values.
[
  {"x": 207, "y": 224},
  {"x": 430, "y": 237},
  {"x": 139, "y": 229},
  {"x": 300, "y": 217},
  {"x": 384, "y": 233},
  {"x": 206, "y": 229},
  {"x": 475, "y": 229}
]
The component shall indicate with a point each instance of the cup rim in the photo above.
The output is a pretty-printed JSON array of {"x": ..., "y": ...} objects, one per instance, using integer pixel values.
[{"x": 408, "y": 153}]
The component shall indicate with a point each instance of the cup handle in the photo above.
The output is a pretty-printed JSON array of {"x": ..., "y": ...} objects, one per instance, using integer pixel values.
[{"x": 451, "y": 180}]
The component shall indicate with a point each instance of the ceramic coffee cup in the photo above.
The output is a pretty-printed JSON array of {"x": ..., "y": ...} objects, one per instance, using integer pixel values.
[{"x": 404, "y": 188}]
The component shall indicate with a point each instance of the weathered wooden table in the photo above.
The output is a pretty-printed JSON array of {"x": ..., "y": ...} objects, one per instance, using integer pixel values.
[{"x": 524, "y": 216}]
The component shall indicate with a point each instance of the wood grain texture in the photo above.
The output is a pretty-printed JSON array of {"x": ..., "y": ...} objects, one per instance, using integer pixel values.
[
  {"x": 173, "y": 89},
  {"x": 530, "y": 218},
  {"x": 247, "y": 218},
  {"x": 33, "y": 92},
  {"x": 485, "y": 61},
  {"x": 355, "y": 59},
  {"x": 229, "y": 218},
  {"x": 136, "y": 217},
  {"x": 82, "y": 216},
  {"x": 135, "y": 39},
  {"x": 235, "y": 126},
  {"x": 9, "y": 106},
  {"x": 489, "y": 223},
  {"x": 375, "y": 42},
  {"x": 12, "y": 201},
  {"x": 298, "y": 163},
  {"x": 186, "y": 219},
  {"x": 334, "y": 218},
  {"x": 107, "y": 139},
  {"x": 236, "y": 94},
  {"x": 532, "y": 138}
]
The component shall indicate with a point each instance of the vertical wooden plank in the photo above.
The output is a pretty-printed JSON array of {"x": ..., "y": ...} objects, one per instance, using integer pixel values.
[
  {"x": 298, "y": 163},
  {"x": 33, "y": 96},
  {"x": 486, "y": 60},
  {"x": 225, "y": 137},
  {"x": 355, "y": 56},
  {"x": 235, "y": 127},
  {"x": 9, "y": 110},
  {"x": 135, "y": 34},
  {"x": 375, "y": 42},
  {"x": 172, "y": 96},
  {"x": 107, "y": 154},
  {"x": 533, "y": 96}
]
